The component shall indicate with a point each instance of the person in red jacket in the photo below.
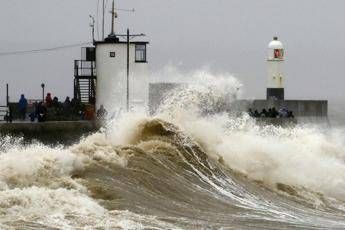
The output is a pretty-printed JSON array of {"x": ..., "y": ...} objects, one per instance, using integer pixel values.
[{"x": 49, "y": 100}]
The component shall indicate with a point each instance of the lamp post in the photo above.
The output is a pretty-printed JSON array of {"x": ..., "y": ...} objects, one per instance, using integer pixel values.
[
  {"x": 43, "y": 85},
  {"x": 7, "y": 96}
]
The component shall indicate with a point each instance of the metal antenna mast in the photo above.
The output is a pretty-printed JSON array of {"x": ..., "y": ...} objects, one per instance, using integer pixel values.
[
  {"x": 103, "y": 12},
  {"x": 113, "y": 16},
  {"x": 92, "y": 25}
]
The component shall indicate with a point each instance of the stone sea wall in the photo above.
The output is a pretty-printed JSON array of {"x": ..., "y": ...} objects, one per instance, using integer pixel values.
[{"x": 59, "y": 132}]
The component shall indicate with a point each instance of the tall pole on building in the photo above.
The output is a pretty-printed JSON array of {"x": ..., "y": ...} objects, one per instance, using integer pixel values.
[
  {"x": 92, "y": 25},
  {"x": 127, "y": 70},
  {"x": 113, "y": 17},
  {"x": 103, "y": 12}
]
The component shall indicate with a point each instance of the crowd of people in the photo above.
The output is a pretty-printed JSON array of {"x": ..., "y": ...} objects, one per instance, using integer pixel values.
[
  {"x": 53, "y": 110},
  {"x": 272, "y": 113}
]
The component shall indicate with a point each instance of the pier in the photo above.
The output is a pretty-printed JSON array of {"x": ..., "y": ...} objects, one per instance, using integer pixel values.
[{"x": 53, "y": 132}]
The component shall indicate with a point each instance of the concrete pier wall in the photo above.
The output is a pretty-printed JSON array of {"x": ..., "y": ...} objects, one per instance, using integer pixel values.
[
  {"x": 283, "y": 122},
  {"x": 300, "y": 108},
  {"x": 63, "y": 132},
  {"x": 52, "y": 126}
]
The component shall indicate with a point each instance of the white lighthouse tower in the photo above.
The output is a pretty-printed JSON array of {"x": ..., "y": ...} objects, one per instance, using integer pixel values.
[
  {"x": 275, "y": 62},
  {"x": 122, "y": 71}
]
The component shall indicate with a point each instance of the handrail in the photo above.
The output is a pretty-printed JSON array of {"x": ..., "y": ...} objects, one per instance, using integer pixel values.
[{"x": 84, "y": 68}]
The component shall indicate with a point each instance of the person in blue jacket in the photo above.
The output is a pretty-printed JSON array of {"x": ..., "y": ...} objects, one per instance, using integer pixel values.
[{"x": 22, "y": 106}]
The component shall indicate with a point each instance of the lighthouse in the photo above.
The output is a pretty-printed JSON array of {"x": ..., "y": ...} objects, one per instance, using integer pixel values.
[
  {"x": 275, "y": 62},
  {"x": 122, "y": 71}
]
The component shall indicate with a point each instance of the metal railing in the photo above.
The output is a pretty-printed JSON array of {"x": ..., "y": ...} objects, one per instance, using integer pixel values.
[
  {"x": 84, "y": 68},
  {"x": 4, "y": 110}
]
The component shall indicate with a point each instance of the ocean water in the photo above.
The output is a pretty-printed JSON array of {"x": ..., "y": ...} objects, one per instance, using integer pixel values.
[{"x": 190, "y": 166}]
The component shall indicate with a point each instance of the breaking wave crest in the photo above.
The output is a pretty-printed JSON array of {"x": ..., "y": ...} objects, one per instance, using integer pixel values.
[{"x": 192, "y": 165}]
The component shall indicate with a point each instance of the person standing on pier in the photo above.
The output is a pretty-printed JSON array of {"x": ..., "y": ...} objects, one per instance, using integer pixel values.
[
  {"x": 49, "y": 100},
  {"x": 22, "y": 106}
]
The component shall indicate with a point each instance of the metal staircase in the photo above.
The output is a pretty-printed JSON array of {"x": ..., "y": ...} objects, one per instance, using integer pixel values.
[{"x": 85, "y": 76}]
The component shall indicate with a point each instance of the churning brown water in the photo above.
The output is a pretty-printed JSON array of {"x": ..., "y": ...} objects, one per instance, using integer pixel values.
[
  {"x": 162, "y": 179},
  {"x": 182, "y": 169}
]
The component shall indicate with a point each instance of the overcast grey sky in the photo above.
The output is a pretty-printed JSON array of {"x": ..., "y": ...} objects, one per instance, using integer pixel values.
[{"x": 226, "y": 35}]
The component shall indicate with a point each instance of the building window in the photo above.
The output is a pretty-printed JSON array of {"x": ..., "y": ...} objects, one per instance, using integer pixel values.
[
  {"x": 140, "y": 53},
  {"x": 278, "y": 53},
  {"x": 112, "y": 54}
]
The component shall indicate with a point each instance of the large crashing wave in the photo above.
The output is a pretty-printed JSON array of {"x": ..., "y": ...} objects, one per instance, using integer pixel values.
[{"x": 187, "y": 167}]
